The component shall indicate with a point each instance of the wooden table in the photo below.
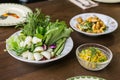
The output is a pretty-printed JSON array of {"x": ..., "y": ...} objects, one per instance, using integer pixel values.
[{"x": 12, "y": 69}]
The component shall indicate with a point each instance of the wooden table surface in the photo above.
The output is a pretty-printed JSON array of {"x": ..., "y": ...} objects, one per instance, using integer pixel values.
[{"x": 12, "y": 69}]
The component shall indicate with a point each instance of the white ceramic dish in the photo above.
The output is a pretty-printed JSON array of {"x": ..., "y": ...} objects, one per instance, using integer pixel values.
[
  {"x": 67, "y": 48},
  {"x": 109, "y": 22},
  {"x": 85, "y": 78},
  {"x": 108, "y": 1},
  {"x": 17, "y": 9}
]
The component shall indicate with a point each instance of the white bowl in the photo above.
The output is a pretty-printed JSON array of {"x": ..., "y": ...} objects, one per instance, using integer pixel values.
[
  {"x": 20, "y": 10},
  {"x": 67, "y": 48},
  {"x": 97, "y": 65},
  {"x": 109, "y": 22},
  {"x": 85, "y": 78},
  {"x": 108, "y": 1}
]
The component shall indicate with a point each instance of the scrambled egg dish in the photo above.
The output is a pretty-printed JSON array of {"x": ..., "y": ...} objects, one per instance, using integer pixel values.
[{"x": 92, "y": 54}]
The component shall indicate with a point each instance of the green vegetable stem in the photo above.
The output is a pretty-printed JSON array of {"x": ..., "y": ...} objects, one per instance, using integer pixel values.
[{"x": 60, "y": 46}]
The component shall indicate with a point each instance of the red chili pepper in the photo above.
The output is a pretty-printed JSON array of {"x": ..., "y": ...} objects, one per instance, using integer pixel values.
[
  {"x": 13, "y": 14},
  {"x": 10, "y": 14}
]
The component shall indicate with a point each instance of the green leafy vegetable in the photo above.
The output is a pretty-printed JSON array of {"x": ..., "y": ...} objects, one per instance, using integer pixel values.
[
  {"x": 36, "y": 23},
  {"x": 56, "y": 31},
  {"x": 13, "y": 44}
]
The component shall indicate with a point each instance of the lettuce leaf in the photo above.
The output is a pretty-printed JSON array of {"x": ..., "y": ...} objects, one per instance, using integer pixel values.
[
  {"x": 14, "y": 44},
  {"x": 56, "y": 31}
]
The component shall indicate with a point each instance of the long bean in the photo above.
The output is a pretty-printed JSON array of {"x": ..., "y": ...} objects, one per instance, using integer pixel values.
[{"x": 59, "y": 45}]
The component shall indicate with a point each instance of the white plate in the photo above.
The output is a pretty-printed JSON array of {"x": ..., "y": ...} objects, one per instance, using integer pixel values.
[
  {"x": 108, "y": 1},
  {"x": 85, "y": 78},
  {"x": 18, "y": 9},
  {"x": 67, "y": 48},
  {"x": 109, "y": 22}
]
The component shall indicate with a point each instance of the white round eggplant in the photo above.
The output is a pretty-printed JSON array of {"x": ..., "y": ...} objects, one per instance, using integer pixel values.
[
  {"x": 38, "y": 49},
  {"x": 28, "y": 41},
  {"x": 25, "y": 54},
  {"x": 46, "y": 54},
  {"x": 30, "y": 56},
  {"x": 50, "y": 50},
  {"x": 38, "y": 56},
  {"x": 36, "y": 40}
]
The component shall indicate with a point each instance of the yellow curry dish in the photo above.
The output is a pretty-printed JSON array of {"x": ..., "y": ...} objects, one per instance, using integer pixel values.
[
  {"x": 91, "y": 25},
  {"x": 93, "y": 57},
  {"x": 92, "y": 54}
]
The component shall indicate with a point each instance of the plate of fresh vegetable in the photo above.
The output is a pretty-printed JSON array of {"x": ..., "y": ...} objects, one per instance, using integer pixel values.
[
  {"x": 93, "y": 24},
  {"x": 40, "y": 40}
]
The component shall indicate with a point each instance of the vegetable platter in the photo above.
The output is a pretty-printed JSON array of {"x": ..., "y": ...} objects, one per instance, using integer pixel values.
[{"x": 40, "y": 40}]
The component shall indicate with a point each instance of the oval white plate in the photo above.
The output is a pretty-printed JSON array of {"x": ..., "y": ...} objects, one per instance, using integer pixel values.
[
  {"x": 85, "y": 78},
  {"x": 18, "y": 9},
  {"x": 109, "y": 22},
  {"x": 108, "y": 1},
  {"x": 67, "y": 48}
]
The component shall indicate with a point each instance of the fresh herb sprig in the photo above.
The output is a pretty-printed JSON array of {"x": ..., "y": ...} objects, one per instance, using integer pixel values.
[{"x": 35, "y": 22}]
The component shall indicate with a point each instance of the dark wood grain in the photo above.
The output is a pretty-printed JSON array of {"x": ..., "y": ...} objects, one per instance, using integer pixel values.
[{"x": 12, "y": 69}]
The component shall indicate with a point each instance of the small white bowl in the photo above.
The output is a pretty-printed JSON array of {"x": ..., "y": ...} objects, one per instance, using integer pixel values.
[
  {"x": 108, "y": 21},
  {"x": 89, "y": 65}
]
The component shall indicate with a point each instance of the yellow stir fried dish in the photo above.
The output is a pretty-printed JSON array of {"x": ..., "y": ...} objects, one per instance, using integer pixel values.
[
  {"x": 92, "y": 54},
  {"x": 91, "y": 25}
]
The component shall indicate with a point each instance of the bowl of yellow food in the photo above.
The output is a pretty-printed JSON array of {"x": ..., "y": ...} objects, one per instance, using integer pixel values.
[
  {"x": 93, "y": 56},
  {"x": 93, "y": 24}
]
